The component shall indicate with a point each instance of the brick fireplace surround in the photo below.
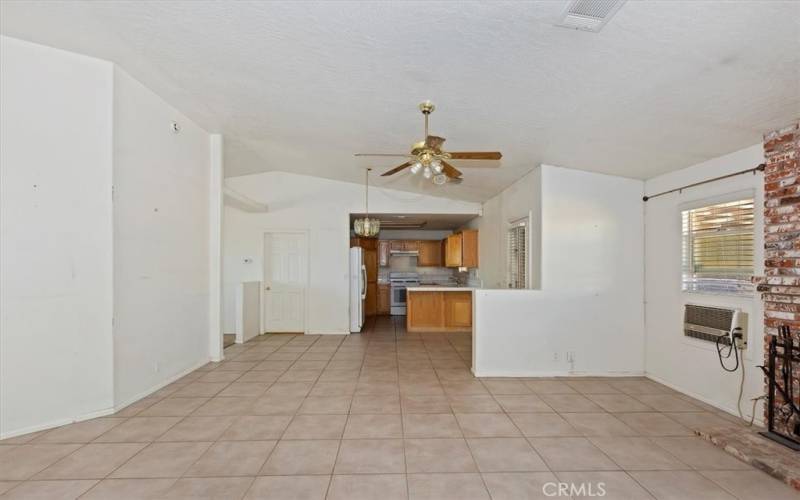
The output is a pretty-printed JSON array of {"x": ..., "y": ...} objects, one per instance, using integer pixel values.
[{"x": 781, "y": 282}]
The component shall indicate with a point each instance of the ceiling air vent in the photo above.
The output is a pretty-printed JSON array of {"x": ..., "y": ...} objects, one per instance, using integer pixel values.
[{"x": 589, "y": 15}]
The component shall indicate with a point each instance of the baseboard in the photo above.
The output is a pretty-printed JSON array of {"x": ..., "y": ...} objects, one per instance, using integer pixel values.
[
  {"x": 561, "y": 373},
  {"x": 58, "y": 423},
  {"x": 732, "y": 411},
  {"x": 332, "y": 332},
  {"x": 159, "y": 385}
]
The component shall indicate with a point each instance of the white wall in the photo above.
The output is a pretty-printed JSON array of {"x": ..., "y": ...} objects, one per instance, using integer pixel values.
[
  {"x": 521, "y": 199},
  {"x": 689, "y": 365},
  {"x": 55, "y": 237},
  {"x": 590, "y": 303},
  {"x": 322, "y": 207},
  {"x": 161, "y": 239}
]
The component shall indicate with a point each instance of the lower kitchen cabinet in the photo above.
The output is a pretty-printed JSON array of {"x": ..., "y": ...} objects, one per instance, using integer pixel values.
[
  {"x": 384, "y": 299},
  {"x": 439, "y": 311}
]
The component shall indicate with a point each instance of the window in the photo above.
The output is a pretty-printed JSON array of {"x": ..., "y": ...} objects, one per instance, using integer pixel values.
[
  {"x": 517, "y": 254},
  {"x": 718, "y": 246}
]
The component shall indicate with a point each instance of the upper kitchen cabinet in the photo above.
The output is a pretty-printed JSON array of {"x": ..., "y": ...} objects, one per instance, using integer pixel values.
[
  {"x": 383, "y": 253},
  {"x": 461, "y": 249},
  {"x": 430, "y": 253},
  {"x": 365, "y": 243}
]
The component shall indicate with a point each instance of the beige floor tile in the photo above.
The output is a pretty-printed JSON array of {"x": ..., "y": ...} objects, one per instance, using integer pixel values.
[
  {"x": 446, "y": 487},
  {"x": 680, "y": 485},
  {"x": 257, "y": 428},
  {"x": 373, "y": 426},
  {"x": 244, "y": 389},
  {"x": 295, "y": 374},
  {"x": 573, "y": 403},
  {"x": 430, "y": 425},
  {"x": 438, "y": 455},
  {"x": 93, "y": 461},
  {"x": 232, "y": 458},
  {"x": 290, "y": 389},
  {"x": 618, "y": 403},
  {"x": 464, "y": 387},
  {"x": 22, "y": 439},
  {"x": 666, "y": 402},
  {"x": 327, "y": 405},
  {"x": 301, "y": 457},
  {"x": 505, "y": 455},
  {"x": 81, "y": 432},
  {"x": 236, "y": 366},
  {"x": 219, "y": 377},
  {"x": 637, "y": 453},
  {"x": 543, "y": 425},
  {"x": 368, "y": 487},
  {"x": 598, "y": 424},
  {"x": 173, "y": 407},
  {"x": 497, "y": 387},
  {"x": 276, "y": 405},
  {"x": 49, "y": 490},
  {"x": 592, "y": 387},
  {"x": 523, "y": 403},
  {"x": 289, "y": 488},
  {"x": 23, "y": 461},
  {"x": 608, "y": 485},
  {"x": 198, "y": 429},
  {"x": 139, "y": 430},
  {"x": 479, "y": 403},
  {"x": 700, "y": 454},
  {"x": 375, "y": 404},
  {"x": 333, "y": 389},
  {"x": 487, "y": 425},
  {"x": 571, "y": 454},
  {"x": 217, "y": 488},
  {"x": 136, "y": 407},
  {"x": 425, "y": 404},
  {"x": 640, "y": 386},
  {"x": 7, "y": 485},
  {"x": 519, "y": 485},
  {"x": 316, "y": 427},
  {"x": 549, "y": 387},
  {"x": 370, "y": 456},
  {"x": 201, "y": 389},
  {"x": 233, "y": 406},
  {"x": 129, "y": 489},
  {"x": 162, "y": 460},
  {"x": 751, "y": 485},
  {"x": 653, "y": 424}
]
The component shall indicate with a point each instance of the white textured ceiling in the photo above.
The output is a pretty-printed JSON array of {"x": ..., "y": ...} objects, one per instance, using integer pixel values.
[{"x": 300, "y": 87}]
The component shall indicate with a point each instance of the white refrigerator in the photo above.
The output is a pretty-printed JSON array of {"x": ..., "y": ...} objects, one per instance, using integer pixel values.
[{"x": 358, "y": 289}]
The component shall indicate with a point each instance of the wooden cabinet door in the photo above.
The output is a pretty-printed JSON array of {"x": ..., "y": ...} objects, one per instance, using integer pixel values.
[
  {"x": 453, "y": 250},
  {"x": 469, "y": 248},
  {"x": 371, "y": 263},
  {"x": 396, "y": 245},
  {"x": 410, "y": 245},
  {"x": 430, "y": 253},
  {"x": 383, "y": 253},
  {"x": 458, "y": 309},
  {"x": 371, "y": 302},
  {"x": 425, "y": 310},
  {"x": 383, "y": 299}
]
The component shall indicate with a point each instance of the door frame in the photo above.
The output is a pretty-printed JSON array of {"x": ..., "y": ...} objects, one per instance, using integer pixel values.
[{"x": 270, "y": 231}]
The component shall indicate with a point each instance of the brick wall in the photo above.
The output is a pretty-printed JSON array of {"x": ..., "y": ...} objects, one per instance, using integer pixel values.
[{"x": 781, "y": 283}]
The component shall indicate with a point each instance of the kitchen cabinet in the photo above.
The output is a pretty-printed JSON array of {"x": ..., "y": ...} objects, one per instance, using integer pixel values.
[
  {"x": 411, "y": 245},
  {"x": 461, "y": 249},
  {"x": 371, "y": 301},
  {"x": 439, "y": 311},
  {"x": 383, "y": 253},
  {"x": 371, "y": 263},
  {"x": 365, "y": 243},
  {"x": 384, "y": 299},
  {"x": 397, "y": 245},
  {"x": 430, "y": 253}
]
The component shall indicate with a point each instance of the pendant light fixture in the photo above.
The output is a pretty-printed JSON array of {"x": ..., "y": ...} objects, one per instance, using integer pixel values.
[{"x": 365, "y": 226}]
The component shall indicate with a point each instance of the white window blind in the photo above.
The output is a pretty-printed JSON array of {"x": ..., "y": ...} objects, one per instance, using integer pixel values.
[
  {"x": 518, "y": 255},
  {"x": 718, "y": 245}
]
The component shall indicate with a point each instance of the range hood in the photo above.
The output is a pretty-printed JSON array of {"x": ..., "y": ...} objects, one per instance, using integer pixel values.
[{"x": 414, "y": 253}]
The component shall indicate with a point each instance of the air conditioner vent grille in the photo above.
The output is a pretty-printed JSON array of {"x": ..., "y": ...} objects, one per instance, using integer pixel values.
[
  {"x": 597, "y": 9},
  {"x": 589, "y": 15},
  {"x": 713, "y": 324}
]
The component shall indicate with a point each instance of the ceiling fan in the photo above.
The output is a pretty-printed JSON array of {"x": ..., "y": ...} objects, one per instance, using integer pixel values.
[{"x": 428, "y": 156}]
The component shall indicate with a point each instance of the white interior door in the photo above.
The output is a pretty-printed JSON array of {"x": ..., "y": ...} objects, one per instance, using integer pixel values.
[{"x": 285, "y": 267}]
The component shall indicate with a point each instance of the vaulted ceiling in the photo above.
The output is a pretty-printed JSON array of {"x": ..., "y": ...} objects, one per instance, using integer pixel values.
[{"x": 300, "y": 87}]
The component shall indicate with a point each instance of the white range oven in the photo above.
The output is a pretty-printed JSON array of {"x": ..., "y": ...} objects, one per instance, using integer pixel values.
[{"x": 397, "y": 285}]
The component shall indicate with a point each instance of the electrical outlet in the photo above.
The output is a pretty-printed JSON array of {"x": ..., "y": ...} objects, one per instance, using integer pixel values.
[
  {"x": 571, "y": 356},
  {"x": 555, "y": 355}
]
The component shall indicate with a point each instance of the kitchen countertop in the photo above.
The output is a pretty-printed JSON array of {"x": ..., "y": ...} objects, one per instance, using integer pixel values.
[{"x": 440, "y": 288}]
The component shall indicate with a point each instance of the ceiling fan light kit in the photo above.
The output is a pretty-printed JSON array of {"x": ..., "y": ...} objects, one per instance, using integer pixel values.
[{"x": 428, "y": 157}]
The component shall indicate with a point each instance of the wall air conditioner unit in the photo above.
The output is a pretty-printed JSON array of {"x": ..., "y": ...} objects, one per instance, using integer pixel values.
[{"x": 714, "y": 324}]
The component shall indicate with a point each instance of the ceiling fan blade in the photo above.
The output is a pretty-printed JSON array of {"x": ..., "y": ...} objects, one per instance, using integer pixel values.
[
  {"x": 476, "y": 155},
  {"x": 450, "y": 171},
  {"x": 396, "y": 169},
  {"x": 385, "y": 154},
  {"x": 434, "y": 142}
]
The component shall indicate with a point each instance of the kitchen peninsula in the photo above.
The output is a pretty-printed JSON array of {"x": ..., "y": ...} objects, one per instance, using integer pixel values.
[{"x": 439, "y": 309}]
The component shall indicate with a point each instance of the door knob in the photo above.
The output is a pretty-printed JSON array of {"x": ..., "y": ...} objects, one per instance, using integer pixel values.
[{"x": 267, "y": 288}]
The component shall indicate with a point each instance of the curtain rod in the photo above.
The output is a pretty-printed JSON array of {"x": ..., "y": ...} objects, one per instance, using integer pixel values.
[{"x": 759, "y": 168}]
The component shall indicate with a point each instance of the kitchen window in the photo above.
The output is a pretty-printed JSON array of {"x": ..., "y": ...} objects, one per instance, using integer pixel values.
[
  {"x": 518, "y": 254},
  {"x": 718, "y": 246}
]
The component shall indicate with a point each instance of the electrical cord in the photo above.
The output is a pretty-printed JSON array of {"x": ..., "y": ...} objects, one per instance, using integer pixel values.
[{"x": 732, "y": 350}]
